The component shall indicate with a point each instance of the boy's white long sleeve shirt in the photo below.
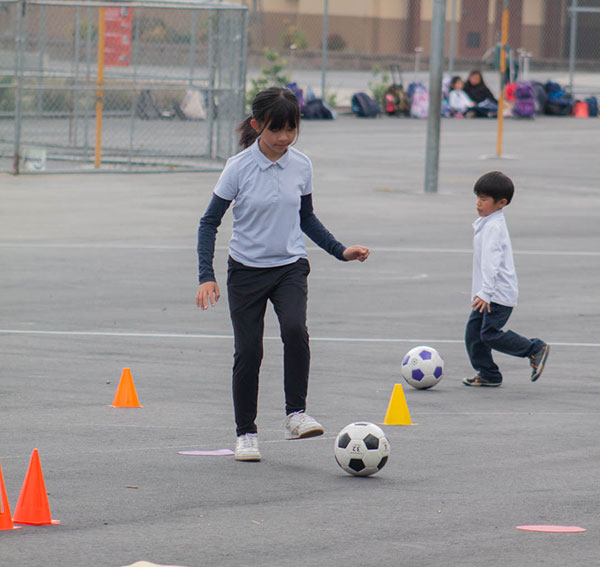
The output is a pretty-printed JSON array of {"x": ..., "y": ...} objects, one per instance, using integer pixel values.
[{"x": 494, "y": 274}]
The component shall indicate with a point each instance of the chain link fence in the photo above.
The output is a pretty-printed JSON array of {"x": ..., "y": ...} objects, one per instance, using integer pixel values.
[
  {"x": 352, "y": 46},
  {"x": 175, "y": 73},
  {"x": 92, "y": 86}
]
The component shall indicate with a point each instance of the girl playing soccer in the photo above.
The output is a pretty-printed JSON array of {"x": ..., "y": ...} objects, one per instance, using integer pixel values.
[{"x": 270, "y": 184}]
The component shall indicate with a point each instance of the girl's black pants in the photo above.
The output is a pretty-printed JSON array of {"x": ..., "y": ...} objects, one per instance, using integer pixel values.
[{"x": 248, "y": 290}]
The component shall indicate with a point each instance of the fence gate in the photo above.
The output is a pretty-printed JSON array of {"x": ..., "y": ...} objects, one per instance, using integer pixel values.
[{"x": 137, "y": 86}]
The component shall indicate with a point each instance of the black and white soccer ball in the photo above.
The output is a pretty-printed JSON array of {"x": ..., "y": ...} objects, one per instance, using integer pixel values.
[
  {"x": 361, "y": 448},
  {"x": 422, "y": 367}
]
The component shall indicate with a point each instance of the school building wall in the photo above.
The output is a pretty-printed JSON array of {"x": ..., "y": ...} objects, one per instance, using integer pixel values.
[{"x": 385, "y": 27}]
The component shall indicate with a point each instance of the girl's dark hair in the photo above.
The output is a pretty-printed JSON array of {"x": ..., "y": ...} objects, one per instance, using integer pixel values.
[
  {"x": 495, "y": 185},
  {"x": 273, "y": 108},
  {"x": 454, "y": 80},
  {"x": 476, "y": 72}
]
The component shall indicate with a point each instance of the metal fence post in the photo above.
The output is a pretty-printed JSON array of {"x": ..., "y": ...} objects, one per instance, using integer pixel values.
[
  {"x": 19, "y": 73},
  {"x": 88, "y": 81},
  {"x": 100, "y": 87},
  {"x": 572, "y": 44},
  {"x": 452, "y": 46},
  {"x": 243, "y": 63},
  {"x": 41, "y": 58},
  {"x": 324, "y": 48},
  {"x": 134, "y": 99},
  {"x": 212, "y": 65},
  {"x": 193, "y": 34},
  {"x": 436, "y": 69},
  {"x": 75, "y": 97}
]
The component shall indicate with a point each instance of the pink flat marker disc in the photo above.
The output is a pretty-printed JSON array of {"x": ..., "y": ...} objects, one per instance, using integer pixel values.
[
  {"x": 553, "y": 529},
  {"x": 217, "y": 453}
]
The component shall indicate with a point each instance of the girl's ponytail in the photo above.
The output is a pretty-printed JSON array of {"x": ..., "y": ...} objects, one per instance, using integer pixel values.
[{"x": 247, "y": 134}]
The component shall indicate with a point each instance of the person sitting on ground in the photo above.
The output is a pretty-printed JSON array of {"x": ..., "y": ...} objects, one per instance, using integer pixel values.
[
  {"x": 459, "y": 101},
  {"x": 480, "y": 94},
  {"x": 461, "y": 104},
  {"x": 477, "y": 90}
]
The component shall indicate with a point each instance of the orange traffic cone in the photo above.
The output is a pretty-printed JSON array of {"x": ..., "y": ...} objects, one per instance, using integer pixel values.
[
  {"x": 126, "y": 396},
  {"x": 32, "y": 506},
  {"x": 6, "y": 522},
  {"x": 581, "y": 109}
]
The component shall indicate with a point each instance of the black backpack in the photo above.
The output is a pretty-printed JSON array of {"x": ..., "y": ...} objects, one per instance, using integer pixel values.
[
  {"x": 364, "y": 106},
  {"x": 314, "y": 109},
  {"x": 146, "y": 107}
]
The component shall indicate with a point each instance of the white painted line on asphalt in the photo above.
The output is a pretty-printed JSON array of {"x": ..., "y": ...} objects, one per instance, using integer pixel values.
[
  {"x": 230, "y": 337},
  {"x": 400, "y": 249}
]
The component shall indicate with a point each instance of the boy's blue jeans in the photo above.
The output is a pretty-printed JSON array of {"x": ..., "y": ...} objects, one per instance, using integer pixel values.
[{"x": 484, "y": 333}]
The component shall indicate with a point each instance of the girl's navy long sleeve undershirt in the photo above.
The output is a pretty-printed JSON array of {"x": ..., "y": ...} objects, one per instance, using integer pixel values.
[{"x": 210, "y": 222}]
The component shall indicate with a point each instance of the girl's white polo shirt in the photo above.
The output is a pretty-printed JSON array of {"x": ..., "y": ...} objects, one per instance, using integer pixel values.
[{"x": 266, "y": 206}]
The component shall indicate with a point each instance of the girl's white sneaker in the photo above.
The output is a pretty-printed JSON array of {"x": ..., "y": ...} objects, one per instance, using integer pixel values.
[
  {"x": 246, "y": 448},
  {"x": 299, "y": 425}
]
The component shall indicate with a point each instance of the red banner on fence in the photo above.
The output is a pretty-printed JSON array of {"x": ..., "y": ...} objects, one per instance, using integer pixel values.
[{"x": 117, "y": 36}]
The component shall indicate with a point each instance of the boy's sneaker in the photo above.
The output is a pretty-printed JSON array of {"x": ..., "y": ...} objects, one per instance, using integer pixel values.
[
  {"x": 478, "y": 380},
  {"x": 299, "y": 425},
  {"x": 537, "y": 362},
  {"x": 246, "y": 448}
]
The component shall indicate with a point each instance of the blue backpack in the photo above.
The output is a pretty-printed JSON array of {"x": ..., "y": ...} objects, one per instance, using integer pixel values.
[
  {"x": 364, "y": 106},
  {"x": 558, "y": 103},
  {"x": 592, "y": 103}
]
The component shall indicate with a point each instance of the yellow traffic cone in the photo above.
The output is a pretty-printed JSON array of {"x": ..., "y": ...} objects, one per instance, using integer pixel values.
[{"x": 397, "y": 412}]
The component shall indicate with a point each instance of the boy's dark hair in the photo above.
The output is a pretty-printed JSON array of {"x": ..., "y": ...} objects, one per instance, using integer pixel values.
[
  {"x": 495, "y": 185},
  {"x": 275, "y": 108}
]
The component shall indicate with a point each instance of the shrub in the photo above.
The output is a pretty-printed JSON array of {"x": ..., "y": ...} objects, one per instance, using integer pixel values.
[{"x": 335, "y": 42}]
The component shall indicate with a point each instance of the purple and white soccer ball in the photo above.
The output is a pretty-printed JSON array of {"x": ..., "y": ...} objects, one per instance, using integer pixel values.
[
  {"x": 422, "y": 367},
  {"x": 361, "y": 448}
]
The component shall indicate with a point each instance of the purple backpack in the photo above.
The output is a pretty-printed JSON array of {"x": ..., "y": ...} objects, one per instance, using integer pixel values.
[
  {"x": 298, "y": 92},
  {"x": 525, "y": 100}
]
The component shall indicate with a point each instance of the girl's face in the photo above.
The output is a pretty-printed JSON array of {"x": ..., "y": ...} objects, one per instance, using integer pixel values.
[
  {"x": 274, "y": 143},
  {"x": 458, "y": 85},
  {"x": 475, "y": 79}
]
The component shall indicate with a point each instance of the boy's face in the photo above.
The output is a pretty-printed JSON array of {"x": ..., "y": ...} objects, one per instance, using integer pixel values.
[{"x": 486, "y": 205}]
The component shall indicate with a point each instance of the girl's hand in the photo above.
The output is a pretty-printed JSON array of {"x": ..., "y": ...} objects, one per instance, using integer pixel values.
[
  {"x": 207, "y": 292},
  {"x": 359, "y": 253},
  {"x": 480, "y": 305}
]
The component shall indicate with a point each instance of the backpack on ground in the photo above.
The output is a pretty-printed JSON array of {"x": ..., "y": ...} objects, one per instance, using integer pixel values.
[
  {"x": 554, "y": 90},
  {"x": 364, "y": 106},
  {"x": 193, "y": 105},
  {"x": 541, "y": 97},
  {"x": 559, "y": 103},
  {"x": 146, "y": 107},
  {"x": 390, "y": 103},
  {"x": 524, "y": 106},
  {"x": 298, "y": 92},
  {"x": 419, "y": 100},
  {"x": 316, "y": 109},
  {"x": 396, "y": 100},
  {"x": 592, "y": 103}
]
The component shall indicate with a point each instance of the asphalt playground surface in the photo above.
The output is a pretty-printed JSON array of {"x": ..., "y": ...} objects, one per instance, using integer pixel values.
[{"x": 98, "y": 273}]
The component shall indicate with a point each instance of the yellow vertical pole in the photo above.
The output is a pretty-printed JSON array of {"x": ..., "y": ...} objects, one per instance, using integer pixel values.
[
  {"x": 99, "y": 91},
  {"x": 503, "y": 41}
]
